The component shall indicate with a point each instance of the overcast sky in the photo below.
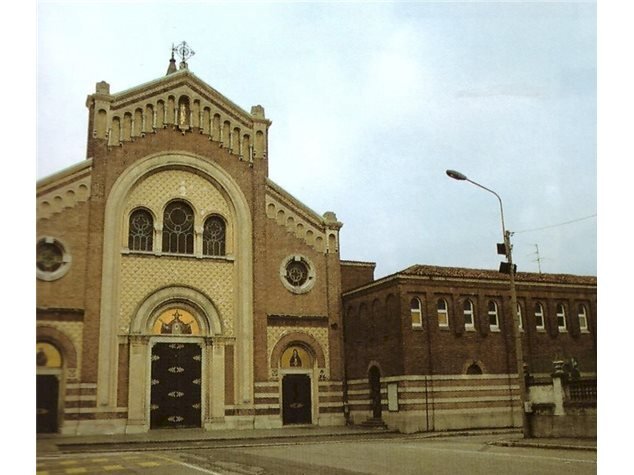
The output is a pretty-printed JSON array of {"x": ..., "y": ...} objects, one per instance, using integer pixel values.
[{"x": 371, "y": 103}]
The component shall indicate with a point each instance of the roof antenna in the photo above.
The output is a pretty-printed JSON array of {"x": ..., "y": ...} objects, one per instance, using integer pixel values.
[{"x": 539, "y": 259}]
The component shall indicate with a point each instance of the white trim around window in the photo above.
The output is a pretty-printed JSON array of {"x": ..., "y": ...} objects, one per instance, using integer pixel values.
[{"x": 416, "y": 312}]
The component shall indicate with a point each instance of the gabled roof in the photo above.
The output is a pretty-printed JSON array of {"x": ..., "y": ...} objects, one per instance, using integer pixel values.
[{"x": 182, "y": 77}]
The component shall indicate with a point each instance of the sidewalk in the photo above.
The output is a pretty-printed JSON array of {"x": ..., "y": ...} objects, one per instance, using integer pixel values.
[
  {"x": 55, "y": 443},
  {"x": 190, "y": 438}
]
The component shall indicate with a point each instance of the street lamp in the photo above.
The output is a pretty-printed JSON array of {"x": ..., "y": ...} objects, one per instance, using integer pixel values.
[{"x": 519, "y": 357}]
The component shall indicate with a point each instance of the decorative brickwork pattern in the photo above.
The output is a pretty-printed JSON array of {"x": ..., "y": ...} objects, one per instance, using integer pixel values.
[
  {"x": 155, "y": 190},
  {"x": 142, "y": 276}
]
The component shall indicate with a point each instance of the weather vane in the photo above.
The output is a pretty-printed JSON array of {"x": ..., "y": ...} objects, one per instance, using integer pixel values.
[{"x": 183, "y": 50}]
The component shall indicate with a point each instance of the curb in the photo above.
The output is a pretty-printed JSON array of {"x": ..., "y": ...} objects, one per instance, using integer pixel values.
[
  {"x": 50, "y": 445},
  {"x": 541, "y": 445}
]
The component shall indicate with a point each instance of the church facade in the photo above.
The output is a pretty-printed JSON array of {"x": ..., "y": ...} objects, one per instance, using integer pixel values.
[{"x": 178, "y": 286}]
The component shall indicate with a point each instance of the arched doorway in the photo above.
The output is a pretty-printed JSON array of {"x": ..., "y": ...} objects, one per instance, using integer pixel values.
[
  {"x": 177, "y": 362},
  {"x": 296, "y": 364},
  {"x": 374, "y": 379},
  {"x": 47, "y": 387},
  {"x": 176, "y": 371},
  {"x": 473, "y": 369}
]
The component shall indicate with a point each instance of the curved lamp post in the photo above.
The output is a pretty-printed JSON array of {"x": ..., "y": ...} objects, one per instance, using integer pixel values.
[{"x": 517, "y": 337}]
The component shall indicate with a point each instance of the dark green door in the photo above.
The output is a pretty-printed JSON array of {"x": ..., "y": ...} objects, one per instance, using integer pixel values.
[
  {"x": 296, "y": 408},
  {"x": 175, "y": 394},
  {"x": 46, "y": 397}
]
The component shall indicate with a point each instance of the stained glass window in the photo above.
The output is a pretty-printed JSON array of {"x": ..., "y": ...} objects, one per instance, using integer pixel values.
[
  {"x": 49, "y": 257},
  {"x": 141, "y": 231},
  {"x": 214, "y": 237},
  {"x": 178, "y": 228},
  {"x": 296, "y": 273}
]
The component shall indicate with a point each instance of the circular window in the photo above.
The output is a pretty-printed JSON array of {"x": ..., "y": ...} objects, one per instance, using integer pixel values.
[
  {"x": 51, "y": 259},
  {"x": 297, "y": 274}
]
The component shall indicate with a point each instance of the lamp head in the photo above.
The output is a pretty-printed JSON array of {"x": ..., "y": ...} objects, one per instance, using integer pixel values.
[{"x": 456, "y": 175}]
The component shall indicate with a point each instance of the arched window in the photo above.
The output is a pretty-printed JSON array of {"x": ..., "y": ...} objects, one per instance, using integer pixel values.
[
  {"x": 468, "y": 313},
  {"x": 561, "y": 317},
  {"x": 214, "y": 236},
  {"x": 494, "y": 323},
  {"x": 520, "y": 324},
  {"x": 583, "y": 318},
  {"x": 443, "y": 313},
  {"x": 416, "y": 312},
  {"x": 178, "y": 228},
  {"x": 141, "y": 231},
  {"x": 539, "y": 316}
]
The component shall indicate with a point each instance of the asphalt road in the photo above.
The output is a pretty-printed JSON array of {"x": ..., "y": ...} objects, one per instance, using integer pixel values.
[{"x": 393, "y": 455}]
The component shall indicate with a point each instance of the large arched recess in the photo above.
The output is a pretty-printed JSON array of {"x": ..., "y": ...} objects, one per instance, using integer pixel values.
[{"x": 113, "y": 223}]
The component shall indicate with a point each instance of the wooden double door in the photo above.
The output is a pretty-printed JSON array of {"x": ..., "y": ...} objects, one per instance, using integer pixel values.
[{"x": 175, "y": 400}]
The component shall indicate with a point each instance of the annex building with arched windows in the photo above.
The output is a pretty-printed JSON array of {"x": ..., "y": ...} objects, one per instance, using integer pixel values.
[
  {"x": 179, "y": 287},
  {"x": 431, "y": 348}
]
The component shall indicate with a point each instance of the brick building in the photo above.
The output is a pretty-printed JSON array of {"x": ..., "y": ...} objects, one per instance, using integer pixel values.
[
  {"x": 178, "y": 286},
  {"x": 431, "y": 348}
]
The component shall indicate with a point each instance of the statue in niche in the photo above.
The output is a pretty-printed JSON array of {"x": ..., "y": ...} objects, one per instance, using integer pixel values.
[{"x": 182, "y": 116}]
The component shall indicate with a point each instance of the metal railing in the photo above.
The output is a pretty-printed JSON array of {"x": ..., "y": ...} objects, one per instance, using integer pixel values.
[{"x": 583, "y": 390}]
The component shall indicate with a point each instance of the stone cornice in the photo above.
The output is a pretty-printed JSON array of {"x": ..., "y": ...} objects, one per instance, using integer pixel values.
[
  {"x": 64, "y": 176},
  {"x": 181, "y": 78},
  {"x": 297, "y": 320},
  {"x": 279, "y": 193}
]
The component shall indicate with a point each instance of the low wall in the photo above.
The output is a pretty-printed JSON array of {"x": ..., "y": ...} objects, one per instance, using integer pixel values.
[{"x": 563, "y": 409}]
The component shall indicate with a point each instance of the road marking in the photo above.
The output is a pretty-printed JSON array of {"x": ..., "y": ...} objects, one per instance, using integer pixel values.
[
  {"x": 148, "y": 464},
  {"x": 178, "y": 462},
  {"x": 113, "y": 467},
  {"x": 489, "y": 453}
]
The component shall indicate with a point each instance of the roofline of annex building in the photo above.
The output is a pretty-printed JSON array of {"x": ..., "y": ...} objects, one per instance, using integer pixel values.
[{"x": 476, "y": 276}]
